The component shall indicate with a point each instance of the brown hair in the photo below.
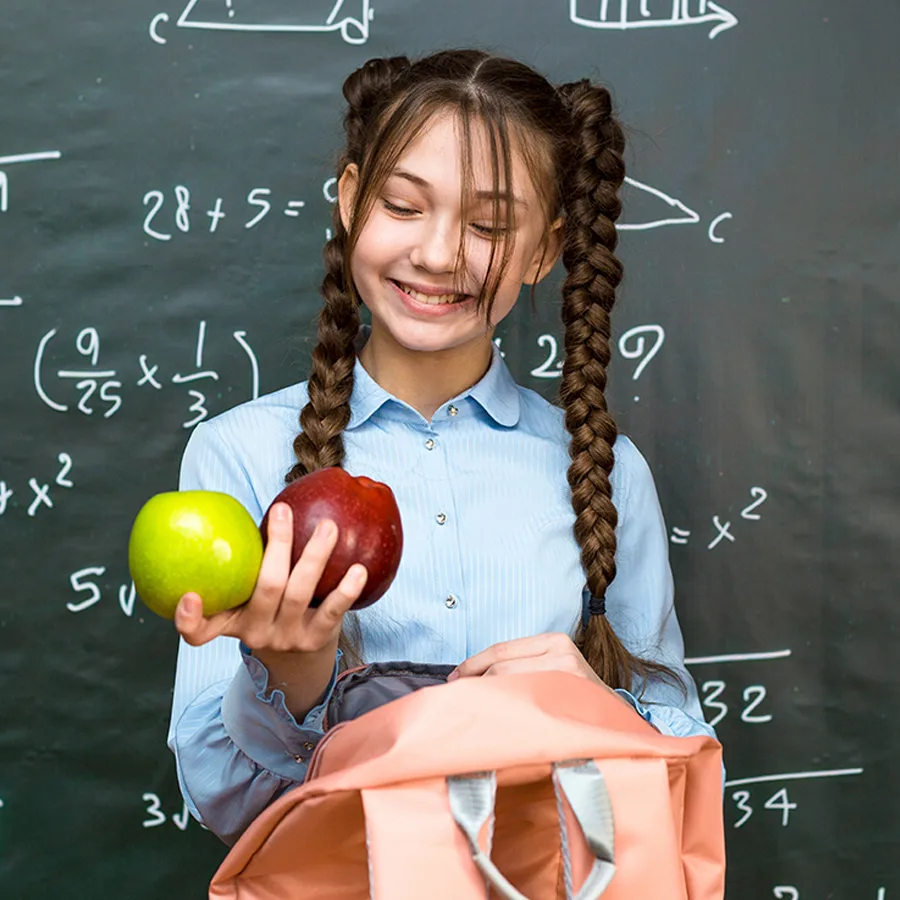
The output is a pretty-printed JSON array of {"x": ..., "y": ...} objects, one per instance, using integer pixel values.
[{"x": 572, "y": 145}]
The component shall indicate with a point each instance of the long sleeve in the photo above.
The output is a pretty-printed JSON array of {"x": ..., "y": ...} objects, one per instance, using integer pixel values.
[
  {"x": 237, "y": 747},
  {"x": 640, "y": 604}
]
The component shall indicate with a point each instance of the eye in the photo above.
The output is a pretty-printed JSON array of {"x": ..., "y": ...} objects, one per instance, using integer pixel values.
[
  {"x": 490, "y": 230},
  {"x": 398, "y": 210}
]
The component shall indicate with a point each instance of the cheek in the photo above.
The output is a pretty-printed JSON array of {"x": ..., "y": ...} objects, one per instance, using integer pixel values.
[{"x": 370, "y": 257}]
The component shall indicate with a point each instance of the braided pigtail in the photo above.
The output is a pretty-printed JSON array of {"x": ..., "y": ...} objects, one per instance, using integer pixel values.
[
  {"x": 591, "y": 199},
  {"x": 322, "y": 421},
  {"x": 320, "y": 442}
]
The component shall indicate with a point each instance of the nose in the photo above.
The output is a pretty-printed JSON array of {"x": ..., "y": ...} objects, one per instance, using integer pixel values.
[{"x": 437, "y": 246}]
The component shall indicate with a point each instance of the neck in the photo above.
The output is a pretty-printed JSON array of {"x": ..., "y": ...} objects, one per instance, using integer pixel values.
[{"x": 425, "y": 380}]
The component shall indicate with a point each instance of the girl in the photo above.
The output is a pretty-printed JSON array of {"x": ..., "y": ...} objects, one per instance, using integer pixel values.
[{"x": 533, "y": 536}]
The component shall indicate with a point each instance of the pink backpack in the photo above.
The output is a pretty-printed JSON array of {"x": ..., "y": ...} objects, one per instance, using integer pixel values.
[{"x": 536, "y": 785}]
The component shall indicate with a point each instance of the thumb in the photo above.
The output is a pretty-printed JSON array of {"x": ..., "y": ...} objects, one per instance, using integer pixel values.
[{"x": 189, "y": 618}]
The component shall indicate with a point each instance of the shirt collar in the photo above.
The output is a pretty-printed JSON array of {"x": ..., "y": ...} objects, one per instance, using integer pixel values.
[{"x": 496, "y": 393}]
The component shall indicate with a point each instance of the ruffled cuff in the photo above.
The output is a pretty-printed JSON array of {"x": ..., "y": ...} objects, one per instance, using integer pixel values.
[
  {"x": 261, "y": 725},
  {"x": 669, "y": 720},
  {"x": 633, "y": 701}
]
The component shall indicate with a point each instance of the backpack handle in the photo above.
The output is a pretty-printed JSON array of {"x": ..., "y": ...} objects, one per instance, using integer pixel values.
[{"x": 472, "y": 804}]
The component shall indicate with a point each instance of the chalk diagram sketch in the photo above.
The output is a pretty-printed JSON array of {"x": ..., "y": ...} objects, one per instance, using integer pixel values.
[
  {"x": 674, "y": 212},
  {"x": 4, "y": 194},
  {"x": 669, "y": 212},
  {"x": 350, "y": 17},
  {"x": 623, "y": 15},
  {"x": 19, "y": 158}
]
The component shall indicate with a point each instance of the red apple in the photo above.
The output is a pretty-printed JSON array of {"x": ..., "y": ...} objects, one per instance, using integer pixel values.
[{"x": 368, "y": 521}]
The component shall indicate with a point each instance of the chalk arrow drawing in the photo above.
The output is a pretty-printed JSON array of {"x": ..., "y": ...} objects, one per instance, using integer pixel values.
[
  {"x": 676, "y": 213},
  {"x": 623, "y": 15},
  {"x": 282, "y": 15}
]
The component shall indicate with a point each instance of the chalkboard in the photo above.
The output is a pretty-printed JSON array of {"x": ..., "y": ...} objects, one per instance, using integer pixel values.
[{"x": 164, "y": 197}]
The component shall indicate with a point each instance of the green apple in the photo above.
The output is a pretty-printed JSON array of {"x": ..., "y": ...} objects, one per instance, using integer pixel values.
[{"x": 201, "y": 541}]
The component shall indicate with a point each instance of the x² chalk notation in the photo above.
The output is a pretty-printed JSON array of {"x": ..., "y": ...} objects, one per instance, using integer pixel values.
[{"x": 721, "y": 529}]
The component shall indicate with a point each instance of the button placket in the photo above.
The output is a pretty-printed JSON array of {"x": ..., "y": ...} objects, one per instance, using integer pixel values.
[{"x": 445, "y": 542}]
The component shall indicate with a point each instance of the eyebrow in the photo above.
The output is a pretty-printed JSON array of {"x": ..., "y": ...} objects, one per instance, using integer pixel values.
[{"x": 479, "y": 195}]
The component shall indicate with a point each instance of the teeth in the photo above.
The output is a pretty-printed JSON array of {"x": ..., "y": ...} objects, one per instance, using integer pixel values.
[{"x": 430, "y": 299}]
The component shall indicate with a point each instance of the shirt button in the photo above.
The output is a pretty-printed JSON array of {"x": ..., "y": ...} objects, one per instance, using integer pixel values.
[
  {"x": 429, "y": 444},
  {"x": 452, "y": 411},
  {"x": 450, "y": 602},
  {"x": 308, "y": 745},
  {"x": 441, "y": 518}
]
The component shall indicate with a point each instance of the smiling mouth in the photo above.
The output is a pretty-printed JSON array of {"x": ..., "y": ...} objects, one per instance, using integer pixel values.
[{"x": 431, "y": 299}]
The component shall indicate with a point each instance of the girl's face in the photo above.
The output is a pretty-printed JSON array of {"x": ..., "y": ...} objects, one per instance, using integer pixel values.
[{"x": 404, "y": 263}]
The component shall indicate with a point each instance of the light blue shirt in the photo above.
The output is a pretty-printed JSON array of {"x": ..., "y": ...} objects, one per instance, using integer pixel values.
[{"x": 489, "y": 555}]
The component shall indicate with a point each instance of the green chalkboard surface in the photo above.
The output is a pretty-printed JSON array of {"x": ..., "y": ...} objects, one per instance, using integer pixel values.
[{"x": 164, "y": 197}]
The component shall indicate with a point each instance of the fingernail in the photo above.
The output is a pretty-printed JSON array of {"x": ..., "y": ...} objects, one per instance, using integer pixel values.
[
  {"x": 453, "y": 675},
  {"x": 280, "y": 511},
  {"x": 325, "y": 529},
  {"x": 191, "y": 606}
]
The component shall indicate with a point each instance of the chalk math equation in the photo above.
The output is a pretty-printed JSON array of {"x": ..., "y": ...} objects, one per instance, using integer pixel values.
[
  {"x": 176, "y": 210},
  {"x": 722, "y": 530},
  {"x": 767, "y": 799},
  {"x": 98, "y": 390},
  {"x": 632, "y": 344},
  {"x": 89, "y": 592},
  {"x": 41, "y": 494},
  {"x": 169, "y": 215}
]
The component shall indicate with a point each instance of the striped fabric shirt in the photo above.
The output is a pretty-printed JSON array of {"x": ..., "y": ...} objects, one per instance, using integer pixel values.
[{"x": 489, "y": 555}]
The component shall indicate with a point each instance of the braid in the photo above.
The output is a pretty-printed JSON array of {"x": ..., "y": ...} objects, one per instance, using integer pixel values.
[
  {"x": 322, "y": 421},
  {"x": 591, "y": 191},
  {"x": 324, "y": 418},
  {"x": 320, "y": 442}
]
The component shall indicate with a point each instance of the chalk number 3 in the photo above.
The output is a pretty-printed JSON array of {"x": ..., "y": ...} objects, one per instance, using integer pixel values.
[{"x": 156, "y": 816}]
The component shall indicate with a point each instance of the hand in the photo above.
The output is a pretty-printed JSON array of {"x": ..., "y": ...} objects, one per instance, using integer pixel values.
[
  {"x": 542, "y": 652},
  {"x": 278, "y": 617},
  {"x": 555, "y": 652}
]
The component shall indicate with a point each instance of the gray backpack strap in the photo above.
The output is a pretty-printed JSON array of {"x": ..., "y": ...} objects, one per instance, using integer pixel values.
[
  {"x": 583, "y": 786},
  {"x": 472, "y": 804}
]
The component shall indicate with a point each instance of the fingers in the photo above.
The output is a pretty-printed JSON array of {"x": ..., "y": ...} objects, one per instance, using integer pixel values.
[
  {"x": 253, "y": 619},
  {"x": 505, "y": 651},
  {"x": 278, "y": 616},
  {"x": 330, "y": 614},
  {"x": 279, "y": 609},
  {"x": 302, "y": 581},
  {"x": 276, "y": 563},
  {"x": 310, "y": 628},
  {"x": 545, "y": 662}
]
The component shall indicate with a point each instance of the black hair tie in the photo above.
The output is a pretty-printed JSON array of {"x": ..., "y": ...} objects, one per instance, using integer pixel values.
[{"x": 597, "y": 606}]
